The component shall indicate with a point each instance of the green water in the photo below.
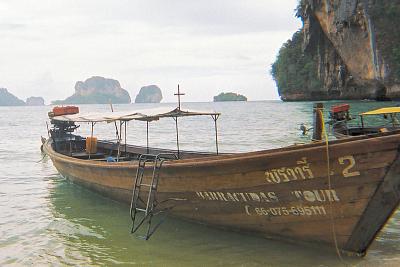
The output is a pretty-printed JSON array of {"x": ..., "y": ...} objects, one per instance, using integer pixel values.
[{"x": 47, "y": 221}]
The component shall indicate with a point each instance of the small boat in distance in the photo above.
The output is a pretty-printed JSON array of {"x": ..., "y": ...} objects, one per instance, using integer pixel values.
[
  {"x": 342, "y": 128},
  {"x": 338, "y": 193}
]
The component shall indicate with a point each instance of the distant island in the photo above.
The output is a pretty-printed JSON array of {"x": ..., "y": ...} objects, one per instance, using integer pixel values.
[
  {"x": 8, "y": 99},
  {"x": 149, "y": 94},
  {"x": 97, "y": 90},
  {"x": 35, "y": 101},
  {"x": 229, "y": 97}
]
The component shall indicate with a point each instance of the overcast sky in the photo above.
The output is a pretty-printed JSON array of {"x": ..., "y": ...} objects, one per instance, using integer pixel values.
[{"x": 205, "y": 46}]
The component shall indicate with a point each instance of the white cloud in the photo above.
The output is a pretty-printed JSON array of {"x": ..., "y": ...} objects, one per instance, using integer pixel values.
[{"x": 207, "y": 46}]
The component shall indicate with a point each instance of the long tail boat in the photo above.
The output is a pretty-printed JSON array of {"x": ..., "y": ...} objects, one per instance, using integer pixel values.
[
  {"x": 341, "y": 127},
  {"x": 339, "y": 193}
]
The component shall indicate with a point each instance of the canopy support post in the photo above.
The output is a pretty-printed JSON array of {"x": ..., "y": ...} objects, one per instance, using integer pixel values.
[
  {"x": 119, "y": 140},
  {"x": 392, "y": 118},
  {"x": 115, "y": 123},
  {"x": 147, "y": 137},
  {"x": 215, "y": 118},
  {"x": 177, "y": 135},
  {"x": 91, "y": 140},
  {"x": 179, "y": 98},
  {"x": 362, "y": 121},
  {"x": 125, "y": 122}
]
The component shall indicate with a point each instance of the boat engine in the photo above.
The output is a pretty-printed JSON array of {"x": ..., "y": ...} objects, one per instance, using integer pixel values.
[
  {"x": 340, "y": 113},
  {"x": 62, "y": 129}
]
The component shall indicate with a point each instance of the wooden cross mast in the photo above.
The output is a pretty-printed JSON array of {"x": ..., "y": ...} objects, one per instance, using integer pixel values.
[{"x": 179, "y": 97}]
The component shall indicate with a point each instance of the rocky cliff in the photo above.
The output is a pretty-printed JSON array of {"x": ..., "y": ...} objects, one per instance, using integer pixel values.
[
  {"x": 97, "y": 90},
  {"x": 35, "y": 101},
  {"x": 149, "y": 94},
  {"x": 350, "y": 50},
  {"x": 8, "y": 99}
]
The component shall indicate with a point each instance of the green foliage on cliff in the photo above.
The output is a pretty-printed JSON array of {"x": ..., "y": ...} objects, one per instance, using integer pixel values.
[
  {"x": 294, "y": 70},
  {"x": 229, "y": 97},
  {"x": 386, "y": 17}
]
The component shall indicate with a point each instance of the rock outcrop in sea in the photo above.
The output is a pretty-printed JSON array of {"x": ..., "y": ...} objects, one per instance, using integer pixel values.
[
  {"x": 8, "y": 99},
  {"x": 229, "y": 97},
  {"x": 347, "y": 49},
  {"x": 97, "y": 90},
  {"x": 149, "y": 94},
  {"x": 35, "y": 101}
]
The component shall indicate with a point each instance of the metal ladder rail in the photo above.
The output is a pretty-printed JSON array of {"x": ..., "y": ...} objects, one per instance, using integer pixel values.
[
  {"x": 136, "y": 190},
  {"x": 151, "y": 201},
  {"x": 150, "y": 204},
  {"x": 158, "y": 162}
]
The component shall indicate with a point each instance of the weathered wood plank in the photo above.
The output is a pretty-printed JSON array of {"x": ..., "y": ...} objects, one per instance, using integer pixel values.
[{"x": 382, "y": 205}]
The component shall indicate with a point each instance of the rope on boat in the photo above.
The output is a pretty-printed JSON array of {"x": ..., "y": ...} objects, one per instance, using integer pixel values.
[
  {"x": 43, "y": 157},
  {"x": 329, "y": 184}
]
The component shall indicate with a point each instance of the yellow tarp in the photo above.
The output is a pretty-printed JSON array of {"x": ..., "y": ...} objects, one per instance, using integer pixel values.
[{"x": 380, "y": 111}]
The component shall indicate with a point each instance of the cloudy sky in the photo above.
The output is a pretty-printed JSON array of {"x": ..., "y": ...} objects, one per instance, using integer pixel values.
[{"x": 205, "y": 46}]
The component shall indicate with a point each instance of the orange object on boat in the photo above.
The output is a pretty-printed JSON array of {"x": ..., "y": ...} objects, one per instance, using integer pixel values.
[
  {"x": 340, "y": 108},
  {"x": 67, "y": 110},
  {"x": 91, "y": 145}
]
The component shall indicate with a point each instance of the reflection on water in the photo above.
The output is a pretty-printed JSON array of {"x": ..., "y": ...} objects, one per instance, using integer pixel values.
[{"x": 45, "y": 219}]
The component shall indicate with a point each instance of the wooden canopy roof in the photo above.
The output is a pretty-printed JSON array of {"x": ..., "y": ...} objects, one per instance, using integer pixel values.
[{"x": 143, "y": 115}]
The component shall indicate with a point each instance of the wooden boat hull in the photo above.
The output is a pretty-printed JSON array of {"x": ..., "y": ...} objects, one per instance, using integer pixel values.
[
  {"x": 282, "y": 193},
  {"x": 346, "y": 132}
]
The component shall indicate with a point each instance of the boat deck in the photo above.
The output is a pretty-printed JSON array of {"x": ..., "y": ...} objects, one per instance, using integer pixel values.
[{"x": 108, "y": 151}]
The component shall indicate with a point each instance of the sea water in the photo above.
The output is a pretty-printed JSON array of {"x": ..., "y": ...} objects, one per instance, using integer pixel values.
[{"x": 46, "y": 220}]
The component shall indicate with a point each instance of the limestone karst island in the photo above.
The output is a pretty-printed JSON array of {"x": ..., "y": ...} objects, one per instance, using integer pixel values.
[
  {"x": 149, "y": 94},
  {"x": 345, "y": 50},
  {"x": 97, "y": 90},
  {"x": 35, "y": 101},
  {"x": 8, "y": 99},
  {"x": 229, "y": 97}
]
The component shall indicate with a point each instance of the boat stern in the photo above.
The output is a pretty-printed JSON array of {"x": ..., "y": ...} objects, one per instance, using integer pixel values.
[{"x": 383, "y": 204}]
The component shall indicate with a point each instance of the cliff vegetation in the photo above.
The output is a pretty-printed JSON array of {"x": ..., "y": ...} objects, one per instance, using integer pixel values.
[
  {"x": 386, "y": 14},
  {"x": 346, "y": 49},
  {"x": 294, "y": 70},
  {"x": 229, "y": 97}
]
